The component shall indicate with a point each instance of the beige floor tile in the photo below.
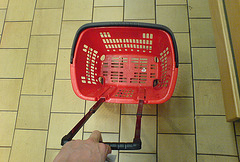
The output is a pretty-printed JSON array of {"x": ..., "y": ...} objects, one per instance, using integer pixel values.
[
  {"x": 38, "y": 79},
  {"x": 63, "y": 64},
  {"x": 16, "y": 35},
  {"x": 43, "y": 49},
  {"x": 9, "y": 93},
  {"x": 216, "y": 158},
  {"x": 184, "y": 81},
  {"x": 108, "y": 3},
  {"x": 205, "y": 63},
  {"x": 78, "y": 10},
  {"x": 3, "y": 4},
  {"x": 4, "y": 153},
  {"x": 50, "y": 4},
  {"x": 7, "y": 124},
  {"x": 132, "y": 109},
  {"x": 25, "y": 7},
  {"x": 34, "y": 112},
  {"x": 174, "y": 17},
  {"x": 237, "y": 127},
  {"x": 128, "y": 157},
  {"x": 108, "y": 14},
  {"x": 164, "y": 2},
  {"x": 12, "y": 63},
  {"x": 69, "y": 29},
  {"x": 47, "y": 21},
  {"x": 50, "y": 155},
  {"x": 139, "y": 20},
  {"x": 183, "y": 45},
  {"x": 65, "y": 100},
  {"x": 148, "y": 132},
  {"x": 139, "y": 9},
  {"x": 28, "y": 145},
  {"x": 199, "y": 9},
  {"x": 202, "y": 33},
  {"x": 215, "y": 135},
  {"x": 208, "y": 98},
  {"x": 173, "y": 148},
  {"x": 176, "y": 116},
  {"x": 2, "y": 18},
  {"x": 60, "y": 125},
  {"x": 106, "y": 119}
]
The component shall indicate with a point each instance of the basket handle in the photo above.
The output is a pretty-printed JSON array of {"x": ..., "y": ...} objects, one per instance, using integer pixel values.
[
  {"x": 135, "y": 145},
  {"x": 79, "y": 125}
]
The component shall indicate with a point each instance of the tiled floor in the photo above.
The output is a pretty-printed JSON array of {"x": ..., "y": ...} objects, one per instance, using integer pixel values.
[{"x": 38, "y": 105}]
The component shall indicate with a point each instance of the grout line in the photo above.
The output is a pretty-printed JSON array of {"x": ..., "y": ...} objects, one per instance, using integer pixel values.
[
  {"x": 184, "y": 63},
  {"x": 188, "y": 134},
  {"x": 53, "y": 86},
  {"x": 206, "y": 79},
  {"x": 157, "y": 134},
  {"x": 155, "y": 12},
  {"x": 235, "y": 133},
  {"x": 23, "y": 76},
  {"x": 210, "y": 115},
  {"x": 180, "y": 32},
  {"x": 194, "y": 108},
  {"x": 3, "y": 25},
  {"x": 137, "y": 19},
  {"x": 8, "y": 110},
  {"x": 218, "y": 155},
  {"x": 92, "y": 10},
  {"x": 14, "y": 48},
  {"x": 183, "y": 96},
  {"x": 105, "y": 6},
  {"x": 18, "y": 21},
  {"x": 6, "y": 147},
  {"x": 200, "y": 18},
  {"x": 123, "y": 10},
  {"x": 10, "y": 78},
  {"x": 170, "y": 5},
  {"x": 203, "y": 47},
  {"x": 125, "y": 152}
]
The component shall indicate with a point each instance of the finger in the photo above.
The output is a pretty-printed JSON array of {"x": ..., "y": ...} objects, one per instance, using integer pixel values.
[
  {"x": 96, "y": 136},
  {"x": 104, "y": 149}
]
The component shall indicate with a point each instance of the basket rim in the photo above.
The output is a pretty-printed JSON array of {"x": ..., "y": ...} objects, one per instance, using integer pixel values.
[{"x": 126, "y": 24}]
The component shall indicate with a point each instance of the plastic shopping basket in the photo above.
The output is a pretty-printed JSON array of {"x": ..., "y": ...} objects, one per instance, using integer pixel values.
[{"x": 123, "y": 62}]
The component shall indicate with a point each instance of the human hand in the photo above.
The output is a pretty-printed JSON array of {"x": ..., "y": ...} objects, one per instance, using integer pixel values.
[{"x": 84, "y": 150}]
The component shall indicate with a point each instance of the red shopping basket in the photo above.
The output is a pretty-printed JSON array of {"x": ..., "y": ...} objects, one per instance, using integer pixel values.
[{"x": 123, "y": 62}]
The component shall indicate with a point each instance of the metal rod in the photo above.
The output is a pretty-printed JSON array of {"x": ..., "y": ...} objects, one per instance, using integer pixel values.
[
  {"x": 79, "y": 125},
  {"x": 138, "y": 121}
]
